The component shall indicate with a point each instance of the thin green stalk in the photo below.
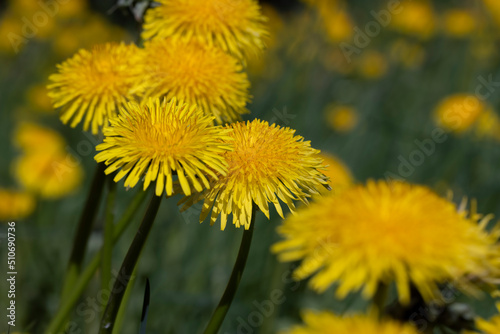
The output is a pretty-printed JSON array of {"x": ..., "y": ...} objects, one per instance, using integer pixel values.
[
  {"x": 107, "y": 247},
  {"x": 117, "y": 329},
  {"x": 69, "y": 303},
  {"x": 128, "y": 265},
  {"x": 228, "y": 296},
  {"x": 83, "y": 231},
  {"x": 380, "y": 298}
]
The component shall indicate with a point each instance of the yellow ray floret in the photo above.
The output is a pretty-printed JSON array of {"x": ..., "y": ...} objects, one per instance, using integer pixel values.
[
  {"x": 195, "y": 73},
  {"x": 156, "y": 140},
  {"x": 268, "y": 164},
  {"x": 235, "y": 26},
  {"x": 326, "y": 322},
  {"x": 381, "y": 233},
  {"x": 92, "y": 85}
]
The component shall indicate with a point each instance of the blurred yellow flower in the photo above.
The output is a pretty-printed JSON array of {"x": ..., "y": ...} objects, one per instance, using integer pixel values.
[
  {"x": 49, "y": 174},
  {"x": 89, "y": 30},
  {"x": 381, "y": 233},
  {"x": 196, "y": 73},
  {"x": 488, "y": 124},
  {"x": 458, "y": 112},
  {"x": 372, "y": 64},
  {"x": 24, "y": 6},
  {"x": 235, "y": 26},
  {"x": 39, "y": 99},
  {"x": 416, "y": 19},
  {"x": 341, "y": 118},
  {"x": 72, "y": 9},
  {"x": 326, "y": 322},
  {"x": 92, "y": 85},
  {"x": 275, "y": 26},
  {"x": 459, "y": 23},
  {"x": 32, "y": 137},
  {"x": 336, "y": 20},
  {"x": 15, "y": 204},
  {"x": 340, "y": 177},
  {"x": 494, "y": 8},
  {"x": 154, "y": 141},
  {"x": 339, "y": 25},
  {"x": 10, "y": 26},
  {"x": 268, "y": 164}
]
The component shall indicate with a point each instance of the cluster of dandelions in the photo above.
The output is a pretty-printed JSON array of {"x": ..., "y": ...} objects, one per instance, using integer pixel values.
[{"x": 169, "y": 115}]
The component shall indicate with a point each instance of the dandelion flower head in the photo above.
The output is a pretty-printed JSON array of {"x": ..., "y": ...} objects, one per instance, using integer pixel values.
[
  {"x": 268, "y": 164},
  {"x": 198, "y": 74},
  {"x": 92, "y": 85},
  {"x": 326, "y": 322},
  {"x": 157, "y": 140},
  {"x": 235, "y": 26},
  {"x": 384, "y": 232}
]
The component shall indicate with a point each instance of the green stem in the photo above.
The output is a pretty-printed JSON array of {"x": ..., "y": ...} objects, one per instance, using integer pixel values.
[
  {"x": 107, "y": 247},
  {"x": 228, "y": 296},
  {"x": 380, "y": 298},
  {"x": 128, "y": 265},
  {"x": 83, "y": 231},
  {"x": 69, "y": 303},
  {"x": 123, "y": 308}
]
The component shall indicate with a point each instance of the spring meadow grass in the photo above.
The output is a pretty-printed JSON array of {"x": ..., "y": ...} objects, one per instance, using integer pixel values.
[{"x": 376, "y": 95}]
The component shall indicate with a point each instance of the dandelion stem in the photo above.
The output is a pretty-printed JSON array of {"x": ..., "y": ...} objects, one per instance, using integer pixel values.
[
  {"x": 228, "y": 296},
  {"x": 84, "y": 228},
  {"x": 128, "y": 265},
  {"x": 68, "y": 304},
  {"x": 107, "y": 247},
  {"x": 380, "y": 298},
  {"x": 120, "y": 317}
]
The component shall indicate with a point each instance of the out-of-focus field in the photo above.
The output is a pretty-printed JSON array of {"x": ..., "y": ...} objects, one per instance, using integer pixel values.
[{"x": 359, "y": 89}]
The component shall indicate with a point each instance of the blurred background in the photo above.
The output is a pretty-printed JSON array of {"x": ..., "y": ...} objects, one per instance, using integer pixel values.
[{"x": 387, "y": 89}]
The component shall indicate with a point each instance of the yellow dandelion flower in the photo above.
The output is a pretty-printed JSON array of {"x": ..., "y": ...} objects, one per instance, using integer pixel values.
[
  {"x": 459, "y": 23},
  {"x": 417, "y": 19},
  {"x": 491, "y": 326},
  {"x": 94, "y": 84},
  {"x": 340, "y": 177},
  {"x": 72, "y": 9},
  {"x": 339, "y": 25},
  {"x": 458, "y": 112},
  {"x": 383, "y": 232},
  {"x": 341, "y": 118},
  {"x": 235, "y": 26},
  {"x": 198, "y": 74},
  {"x": 372, "y": 64},
  {"x": 157, "y": 140},
  {"x": 268, "y": 164},
  {"x": 15, "y": 204},
  {"x": 327, "y": 322},
  {"x": 10, "y": 27},
  {"x": 32, "y": 137},
  {"x": 335, "y": 19},
  {"x": 50, "y": 174},
  {"x": 493, "y": 7},
  {"x": 488, "y": 124}
]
